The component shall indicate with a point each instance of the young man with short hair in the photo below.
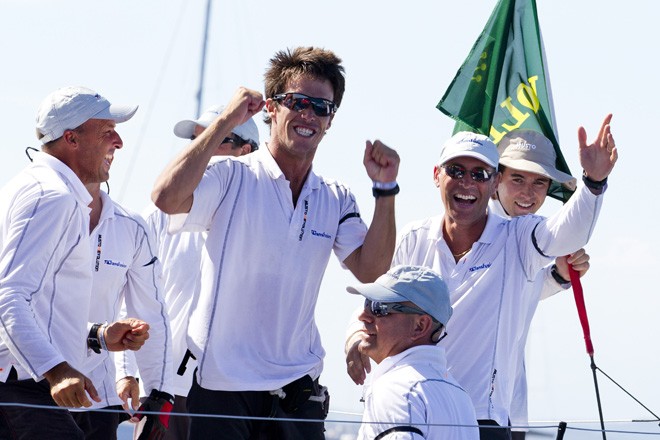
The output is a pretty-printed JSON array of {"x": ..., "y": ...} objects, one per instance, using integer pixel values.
[{"x": 252, "y": 329}]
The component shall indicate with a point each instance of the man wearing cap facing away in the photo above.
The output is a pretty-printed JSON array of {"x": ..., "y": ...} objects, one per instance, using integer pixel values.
[
  {"x": 527, "y": 167},
  {"x": 405, "y": 314},
  {"x": 243, "y": 139},
  {"x": 183, "y": 251},
  {"x": 487, "y": 261},
  {"x": 46, "y": 268}
]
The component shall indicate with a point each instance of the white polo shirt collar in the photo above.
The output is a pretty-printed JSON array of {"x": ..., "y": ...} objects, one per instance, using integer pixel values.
[
  {"x": 312, "y": 181},
  {"x": 77, "y": 187}
]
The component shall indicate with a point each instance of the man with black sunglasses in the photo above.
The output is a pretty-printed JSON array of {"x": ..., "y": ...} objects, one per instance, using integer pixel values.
[
  {"x": 487, "y": 262},
  {"x": 272, "y": 224},
  {"x": 405, "y": 313}
]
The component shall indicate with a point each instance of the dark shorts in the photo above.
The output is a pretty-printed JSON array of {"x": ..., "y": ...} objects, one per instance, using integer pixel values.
[
  {"x": 488, "y": 430},
  {"x": 253, "y": 404},
  {"x": 179, "y": 425},
  {"x": 21, "y": 423}
]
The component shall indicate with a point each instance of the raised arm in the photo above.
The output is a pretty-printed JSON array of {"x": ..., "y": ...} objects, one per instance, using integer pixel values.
[
  {"x": 373, "y": 258},
  {"x": 173, "y": 191}
]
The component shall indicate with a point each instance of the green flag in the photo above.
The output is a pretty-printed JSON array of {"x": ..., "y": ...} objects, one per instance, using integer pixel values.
[{"x": 502, "y": 85}]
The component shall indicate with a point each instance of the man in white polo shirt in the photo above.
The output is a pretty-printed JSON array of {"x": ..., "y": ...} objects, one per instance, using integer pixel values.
[
  {"x": 405, "y": 314},
  {"x": 272, "y": 224},
  {"x": 181, "y": 252},
  {"x": 45, "y": 268},
  {"x": 126, "y": 271},
  {"x": 527, "y": 167},
  {"x": 487, "y": 261}
]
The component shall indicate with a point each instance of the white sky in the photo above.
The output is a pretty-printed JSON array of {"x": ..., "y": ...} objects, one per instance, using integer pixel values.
[{"x": 399, "y": 58}]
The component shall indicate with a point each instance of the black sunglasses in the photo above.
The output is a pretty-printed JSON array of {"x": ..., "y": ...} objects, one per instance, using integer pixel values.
[
  {"x": 232, "y": 140},
  {"x": 477, "y": 174},
  {"x": 380, "y": 309},
  {"x": 298, "y": 102}
]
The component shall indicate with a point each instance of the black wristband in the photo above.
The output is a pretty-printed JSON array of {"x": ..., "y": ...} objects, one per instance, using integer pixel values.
[
  {"x": 385, "y": 192},
  {"x": 556, "y": 276},
  {"x": 593, "y": 184},
  {"x": 93, "y": 341}
]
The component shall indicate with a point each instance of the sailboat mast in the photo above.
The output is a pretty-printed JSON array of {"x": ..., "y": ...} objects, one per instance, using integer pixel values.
[{"x": 202, "y": 67}]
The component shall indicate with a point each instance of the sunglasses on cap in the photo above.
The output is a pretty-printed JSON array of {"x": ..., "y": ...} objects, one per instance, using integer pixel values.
[
  {"x": 298, "y": 102},
  {"x": 477, "y": 174},
  {"x": 380, "y": 309}
]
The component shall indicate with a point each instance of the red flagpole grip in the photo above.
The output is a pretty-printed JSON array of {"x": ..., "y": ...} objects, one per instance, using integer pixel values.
[{"x": 581, "y": 308}]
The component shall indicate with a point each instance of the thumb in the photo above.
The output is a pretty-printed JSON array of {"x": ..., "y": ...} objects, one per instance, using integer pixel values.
[
  {"x": 135, "y": 398},
  {"x": 582, "y": 137},
  {"x": 366, "y": 362},
  {"x": 91, "y": 390}
]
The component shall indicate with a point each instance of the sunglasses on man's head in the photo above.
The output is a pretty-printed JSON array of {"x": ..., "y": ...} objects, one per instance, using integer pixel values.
[
  {"x": 298, "y": 102},
  {"x": 233, "y": 140},
  {"x": 380, "y": 309},
  {"x": 477, "y": 174}
]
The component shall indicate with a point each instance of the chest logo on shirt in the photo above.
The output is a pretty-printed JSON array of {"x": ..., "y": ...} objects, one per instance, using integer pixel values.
[
  {"x": 114, "y": 263},
  {"x": 480, "y": 267},
  {"x": 320, "y": 234}
]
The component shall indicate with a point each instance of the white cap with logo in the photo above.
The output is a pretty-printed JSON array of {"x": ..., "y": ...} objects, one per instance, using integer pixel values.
[
  {"x": 68, "y": 108},
  {"x": 465, "y": 143}
]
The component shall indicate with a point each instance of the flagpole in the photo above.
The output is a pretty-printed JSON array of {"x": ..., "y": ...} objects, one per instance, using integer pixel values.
[{"x": 584, "y": 321}]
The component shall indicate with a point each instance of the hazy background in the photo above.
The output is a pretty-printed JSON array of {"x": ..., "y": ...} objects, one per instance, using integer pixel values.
[{"x": 399, "y": 59}]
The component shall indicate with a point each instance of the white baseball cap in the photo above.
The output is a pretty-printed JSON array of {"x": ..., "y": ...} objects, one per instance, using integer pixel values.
[
  {"x": 419, "y": 285},
  {"x": 185, "y": 129},
  {"x": 465, "y": 143},
  {"x": 70, "y": 107},
  {"x": 529, "y": 150}
]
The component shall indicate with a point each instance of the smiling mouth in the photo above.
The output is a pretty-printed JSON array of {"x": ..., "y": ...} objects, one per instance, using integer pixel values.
[
  {"x": 524, "y": 205},
  {"x": 304, "y": 132},
  {"x": 465, "y": 199}
]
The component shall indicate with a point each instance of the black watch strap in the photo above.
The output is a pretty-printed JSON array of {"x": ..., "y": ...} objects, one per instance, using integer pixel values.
[
  {"x": 377, "y": 192},
  {"x": 556, "y": 276},
  {"x": 596, "y": 185},
  {"x": 93, "y": 341}
]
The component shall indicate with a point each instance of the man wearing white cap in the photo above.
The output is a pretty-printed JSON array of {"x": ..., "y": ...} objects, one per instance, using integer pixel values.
[
  {"x": 487, "y": 262},
  {"x": 244, "y": 138},
  {"x": 45, "y": 268},
  {"x": 181, "y": 252},
  {"x": 405, "y": 313},
  {"x": 527, "y": 167}
]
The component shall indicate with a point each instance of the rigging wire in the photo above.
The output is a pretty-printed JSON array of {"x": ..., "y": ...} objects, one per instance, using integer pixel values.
[{"x": 161, "y": 74}]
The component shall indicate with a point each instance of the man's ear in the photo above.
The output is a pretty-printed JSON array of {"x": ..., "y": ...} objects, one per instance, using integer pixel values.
[
  {"x": 70, "y": 137},
  {"x": 436, "y": 176},
  {"x": 497, "y": 178},
  {"x": 422, "y": 328},
  {"x": 271, "y": 106},
  {"x": 332, "y": 116}
]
